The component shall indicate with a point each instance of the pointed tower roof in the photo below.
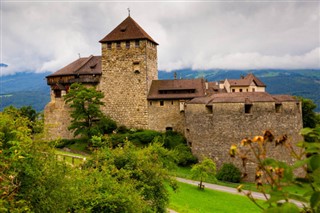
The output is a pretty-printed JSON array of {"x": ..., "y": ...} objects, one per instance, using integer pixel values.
[{"x": 127, "y": 30}]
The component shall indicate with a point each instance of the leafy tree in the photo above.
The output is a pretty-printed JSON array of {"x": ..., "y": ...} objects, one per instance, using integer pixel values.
[
  {"x": 309, "y": 117},
  {"x": 202, "y": 170},
  {"x": 276, "y": 175},
  {"x": 85, "y": 103}
]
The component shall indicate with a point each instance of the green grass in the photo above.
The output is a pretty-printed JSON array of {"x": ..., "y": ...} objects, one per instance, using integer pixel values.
[
  {"x": 62, "y": 155},
  {"x": 184, "y": 172},
  {"x": 189, "y": 199}
]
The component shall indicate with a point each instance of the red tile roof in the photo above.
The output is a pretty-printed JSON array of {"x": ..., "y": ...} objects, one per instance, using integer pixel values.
[
  {"x": 246, "y": 81},
  {"x": 176, "y": 89},
  {"x": 243, "y": 97},
  {"x": 127, "y": 30},
  {"x": 82, "y": 66}
]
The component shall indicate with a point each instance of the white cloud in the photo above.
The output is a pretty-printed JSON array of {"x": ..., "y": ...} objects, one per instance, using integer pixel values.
[{"x": 39, "y": 36}]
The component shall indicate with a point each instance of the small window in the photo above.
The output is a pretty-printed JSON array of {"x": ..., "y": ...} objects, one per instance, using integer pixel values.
[
  {"x": 233, "y": 90},
  {"x": 137, "y": 43},
  {"x": 127, "y": 44},
  {"x": 247, "y": 108},
  {"x": 190, "y": 143},
  {"x": 247, "y": 90},
  {"x": 278, "y": 108},
  {"x": 109, "y": 45},
  {"x": 136, "y": 72},
  {"x": 253, "y": 89},
  {"x": 298, "y": 107},
  {"x": 209, "y": 109},
  {"x": 240, "y": 90},
  {"x": 150, "y": 103},
  {"x": 57, "y": 93},
  {"x": 169, "y": 128},
  {"x": 118, "y": 44},
  {"x": 171, "y": 102},
  {"x": 161, "y": 103}
]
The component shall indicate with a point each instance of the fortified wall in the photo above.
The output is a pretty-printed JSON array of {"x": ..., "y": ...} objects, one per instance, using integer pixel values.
[{"x": 212, "y": 128}]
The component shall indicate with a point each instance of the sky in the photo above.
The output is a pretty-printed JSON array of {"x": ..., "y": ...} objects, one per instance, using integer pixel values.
[{"x": 41, "y": 36}]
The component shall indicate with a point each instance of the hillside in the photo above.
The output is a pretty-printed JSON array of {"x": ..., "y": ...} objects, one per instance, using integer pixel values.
[{"x": 25, "y": 89}]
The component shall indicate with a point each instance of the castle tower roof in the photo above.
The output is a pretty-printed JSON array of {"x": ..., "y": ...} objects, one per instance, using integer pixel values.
[{"x": 127, "y": 30}]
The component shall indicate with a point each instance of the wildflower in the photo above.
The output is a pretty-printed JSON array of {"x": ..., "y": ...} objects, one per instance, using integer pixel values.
[
  {"x": 281, "y": 140},
  {"x": 259, "y": 139},
  {"x": 239, "y": 188},
  {"x": 268, "y": 136},
  {"x": 233, "y": 150},
  {"x": 245, "y": 142}
]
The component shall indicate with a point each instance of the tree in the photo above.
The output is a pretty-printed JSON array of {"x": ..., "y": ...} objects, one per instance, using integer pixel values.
[
  {"x": 85, "y": 103},
  {"x": 202, "y": 170},
  {"x": 309, "y": 117}
]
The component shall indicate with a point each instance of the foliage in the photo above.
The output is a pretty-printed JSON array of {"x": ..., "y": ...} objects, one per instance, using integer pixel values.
[
  {"x": 202, "y": 170},
  {"x": 85, "y": 103},
  {"x": 141, "y": 170},
  {"x": 229, "y": 173},
  {"x": 309, "y": 117},
  {"x": 279, "y": 174}
]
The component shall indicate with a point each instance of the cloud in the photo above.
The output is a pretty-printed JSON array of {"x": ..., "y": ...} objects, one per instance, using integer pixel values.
[{"x": 45, "y": 36}]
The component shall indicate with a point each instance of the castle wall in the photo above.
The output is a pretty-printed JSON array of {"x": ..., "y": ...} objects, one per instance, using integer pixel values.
[
  {"x": 57, "y": 119},
  {"x": 211, "y": 131},
  {"x": 127, "y": 74},
  {"x": 168, "y": 115}
]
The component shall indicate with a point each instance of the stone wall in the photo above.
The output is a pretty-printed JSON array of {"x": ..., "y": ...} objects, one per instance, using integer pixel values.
[
  {"x": 127, "y": 74},
  {"x": 57, "y": 119},
  {"x": 165, "y": 116},
  {"x": 211, "y": 131}
]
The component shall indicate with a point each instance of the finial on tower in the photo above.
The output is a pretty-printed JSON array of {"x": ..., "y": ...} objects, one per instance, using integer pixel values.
[{"x": 128, "y": 11}]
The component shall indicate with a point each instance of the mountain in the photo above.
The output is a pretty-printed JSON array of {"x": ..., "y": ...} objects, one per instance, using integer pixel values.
[
  {"x": 24, "y": 89},
  {"x": 3, "y": 65}
]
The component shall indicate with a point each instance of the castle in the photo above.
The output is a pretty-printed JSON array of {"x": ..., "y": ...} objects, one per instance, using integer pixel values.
[{"x": 211, "y": 115}]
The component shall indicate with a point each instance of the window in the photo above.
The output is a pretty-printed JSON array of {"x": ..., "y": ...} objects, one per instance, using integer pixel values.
[
  {"x": 247, "y": 108},
  {"x": 233, "y": 90},
  {"x": 278, "y": 108},
  {"x": 150, "y": 102},
  {"x": 209, "y": 109},
  {"x": 57, "y": 93},
  {"x": 240, "y": 90},
  {"x": 161, "y": 103},
  {"x": 169, "y": 128},
  {"x": 253, "y": 89},
  {"x": 118, "y": 44},
  {"x": 137, "y": 43},
  {"x": 109, "y": 45},
  {"x": 171, "y": 102},
  {"x": 127, "y": 44}
]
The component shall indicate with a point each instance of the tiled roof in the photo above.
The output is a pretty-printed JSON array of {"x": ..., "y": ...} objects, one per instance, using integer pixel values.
[
  {"x": 284, "y": 98},
  {"x": 176, "y": 89},
  {"x": 246, "y": 81},
  {"x": 127, "y": 30},
  {"x": 81, "y": 66},
  {"x": 241, "y": 97}
]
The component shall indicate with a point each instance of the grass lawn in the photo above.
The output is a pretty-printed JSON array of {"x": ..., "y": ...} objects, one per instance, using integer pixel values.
[
  {"x": 184, "y": 172},
  {"x": 63, "y": 155},
  {"x": 189, "y": 199}
]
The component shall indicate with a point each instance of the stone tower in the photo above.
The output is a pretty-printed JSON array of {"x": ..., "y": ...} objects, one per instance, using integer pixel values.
[{"x": 129, "y": 64}]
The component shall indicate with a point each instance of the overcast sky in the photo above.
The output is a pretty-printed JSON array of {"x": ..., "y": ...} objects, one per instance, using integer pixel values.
[{"x": 45, "y": 36}]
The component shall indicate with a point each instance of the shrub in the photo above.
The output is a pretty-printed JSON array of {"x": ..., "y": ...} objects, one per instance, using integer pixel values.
[
  {"x": 229, "y": 173},
  {"x": 144, "y": 137},
  {"x": 107, "y": 125},
  {"x": 184, "y": 155}
]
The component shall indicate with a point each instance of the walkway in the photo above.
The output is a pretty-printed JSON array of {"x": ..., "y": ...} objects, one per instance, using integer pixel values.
[{"x": 255, "y": 195}]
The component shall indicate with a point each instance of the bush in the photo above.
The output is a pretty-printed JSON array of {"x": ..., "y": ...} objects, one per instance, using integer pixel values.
[
  {"x": 144, "y": 137},
  {"x": 184, "y": 155},
  {"x": 107, "y": 125},
  {"x": 229, "y": 173}
]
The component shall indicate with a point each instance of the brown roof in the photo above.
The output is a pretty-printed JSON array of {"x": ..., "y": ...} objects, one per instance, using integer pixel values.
[
  {"x": 176, "y": 89},
  {"x": 246, "y": 81},
  {"x": 127, "y": 30},
  {"x": 285, "y": 98},
  {"x": 82, "y": 66},
  {"x": 235, "y": 97}
]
